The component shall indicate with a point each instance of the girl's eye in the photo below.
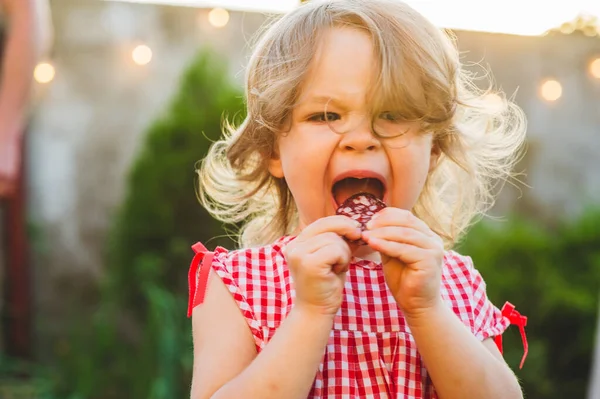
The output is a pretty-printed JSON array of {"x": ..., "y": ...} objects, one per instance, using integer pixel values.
[
  {"x": 324, "y": 117},
  {"x": 389, "y": 116}
]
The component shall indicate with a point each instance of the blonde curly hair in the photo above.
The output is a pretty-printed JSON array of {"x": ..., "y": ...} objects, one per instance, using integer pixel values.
[{"x": 480, "y": 140}]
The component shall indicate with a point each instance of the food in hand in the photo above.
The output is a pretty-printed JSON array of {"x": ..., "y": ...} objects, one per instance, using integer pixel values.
[{"x": 361, "y": 207}]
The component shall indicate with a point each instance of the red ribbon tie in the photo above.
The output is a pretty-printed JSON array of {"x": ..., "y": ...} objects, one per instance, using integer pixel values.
[{"x": 508, "y": 311}]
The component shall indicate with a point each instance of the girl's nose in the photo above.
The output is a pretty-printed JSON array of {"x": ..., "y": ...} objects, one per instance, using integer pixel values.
[{"x": 361, "y": 138}]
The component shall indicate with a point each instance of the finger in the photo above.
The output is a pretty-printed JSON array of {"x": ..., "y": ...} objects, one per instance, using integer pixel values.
[
  {"x": 329, "y": 256},
  {"x": 313, "y": 244},
  {"x": 404, "y": 235},
  {"x": 391, "y": 216},
  {"x": 339, "y": 224},
  {"x": 340, "y": 268},
  {"x": 406, "y": 253}
]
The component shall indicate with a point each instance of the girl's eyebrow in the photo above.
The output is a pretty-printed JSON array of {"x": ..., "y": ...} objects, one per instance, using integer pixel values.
[
  {"x": 329, "y": 99},
  {"x": 320, "y": 99}
]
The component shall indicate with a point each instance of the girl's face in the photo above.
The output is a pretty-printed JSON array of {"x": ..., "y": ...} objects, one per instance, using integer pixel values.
[{"x": 324, "y": 165}]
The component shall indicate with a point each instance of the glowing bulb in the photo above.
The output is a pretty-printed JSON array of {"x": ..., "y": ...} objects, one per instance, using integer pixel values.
[
  {"x": 142, "y": 55},
  {"x": 595, "y": 68},
  {"x": 44, "y": 73},
  {"x": 551, "y": 90},
  {"x": 218, "y": 17},
  {"x": 494, "y": 100}
]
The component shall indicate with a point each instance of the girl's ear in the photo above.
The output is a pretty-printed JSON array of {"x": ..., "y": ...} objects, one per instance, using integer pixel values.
[
  {"x": 275, "y": 165},
  {"x": 436, "y": 151}
]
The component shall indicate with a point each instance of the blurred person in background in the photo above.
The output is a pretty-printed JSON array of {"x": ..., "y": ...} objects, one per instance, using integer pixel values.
[{"x": 25, "y": 37}]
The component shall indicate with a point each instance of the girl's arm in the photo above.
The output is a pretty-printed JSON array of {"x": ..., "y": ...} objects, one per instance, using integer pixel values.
[
  {"x": 225, "y": 361},
  {"x": 459, "y": 364}
]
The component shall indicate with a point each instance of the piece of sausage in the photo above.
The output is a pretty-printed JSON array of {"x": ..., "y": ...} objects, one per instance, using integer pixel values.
[{"x": 361, "y": 207}]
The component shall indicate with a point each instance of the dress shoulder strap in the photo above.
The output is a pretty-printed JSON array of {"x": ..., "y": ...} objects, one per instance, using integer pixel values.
[{"x": 198, "y": 275}]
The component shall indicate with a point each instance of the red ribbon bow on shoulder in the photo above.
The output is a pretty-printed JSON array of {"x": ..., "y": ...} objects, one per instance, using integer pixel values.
[{"x": 508, "y": 311}]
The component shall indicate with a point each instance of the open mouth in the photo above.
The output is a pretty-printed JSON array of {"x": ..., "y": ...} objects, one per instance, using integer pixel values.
[{"x": 347, "y": 187}]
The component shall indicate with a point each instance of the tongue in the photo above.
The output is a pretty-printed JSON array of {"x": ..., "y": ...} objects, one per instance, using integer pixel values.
[{"x": 348, "y": 187}]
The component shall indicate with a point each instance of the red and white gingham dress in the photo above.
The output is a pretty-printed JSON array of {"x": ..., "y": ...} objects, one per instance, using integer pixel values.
[{"x": 371, "y": 352}]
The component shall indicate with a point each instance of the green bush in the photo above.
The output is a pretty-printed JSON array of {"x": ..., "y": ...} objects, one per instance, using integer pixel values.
[
  {"x": 552, "y": 276},
  {"x": 139, "y": 344}
]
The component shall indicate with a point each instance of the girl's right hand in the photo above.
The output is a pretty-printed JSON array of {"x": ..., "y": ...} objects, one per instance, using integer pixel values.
[{"x": 318, "y": 260}]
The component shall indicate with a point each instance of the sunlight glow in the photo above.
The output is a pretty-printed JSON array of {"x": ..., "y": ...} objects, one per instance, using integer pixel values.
[
  {"x": 530, "y": 17},
  {"x": 268, "y": 6},
  {"x": 520, "y": 17}
]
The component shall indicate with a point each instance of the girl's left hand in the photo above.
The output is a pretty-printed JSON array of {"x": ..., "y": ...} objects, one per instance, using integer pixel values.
[{"x": 412, "y": 257}]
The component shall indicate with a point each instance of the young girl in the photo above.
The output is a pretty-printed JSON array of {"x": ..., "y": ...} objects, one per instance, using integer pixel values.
[{"x": 344, "y": 97}]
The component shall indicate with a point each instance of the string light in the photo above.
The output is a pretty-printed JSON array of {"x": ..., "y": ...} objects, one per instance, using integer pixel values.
[
  {"x": 142, "y": 55},
  {"x": 551, "y": 90},
  {"x": 218, "y": 17},
  {"x": 494, "y": 100},
  {"x": 595, "y": 68},
  {"x": 44, "y": 72}
]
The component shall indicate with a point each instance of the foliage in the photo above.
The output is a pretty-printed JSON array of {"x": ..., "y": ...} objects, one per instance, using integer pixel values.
[
  {"x": 22, "y": 379},
  {"x": 552, "y": 276},
  {"x": 139, "y": 342}
]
